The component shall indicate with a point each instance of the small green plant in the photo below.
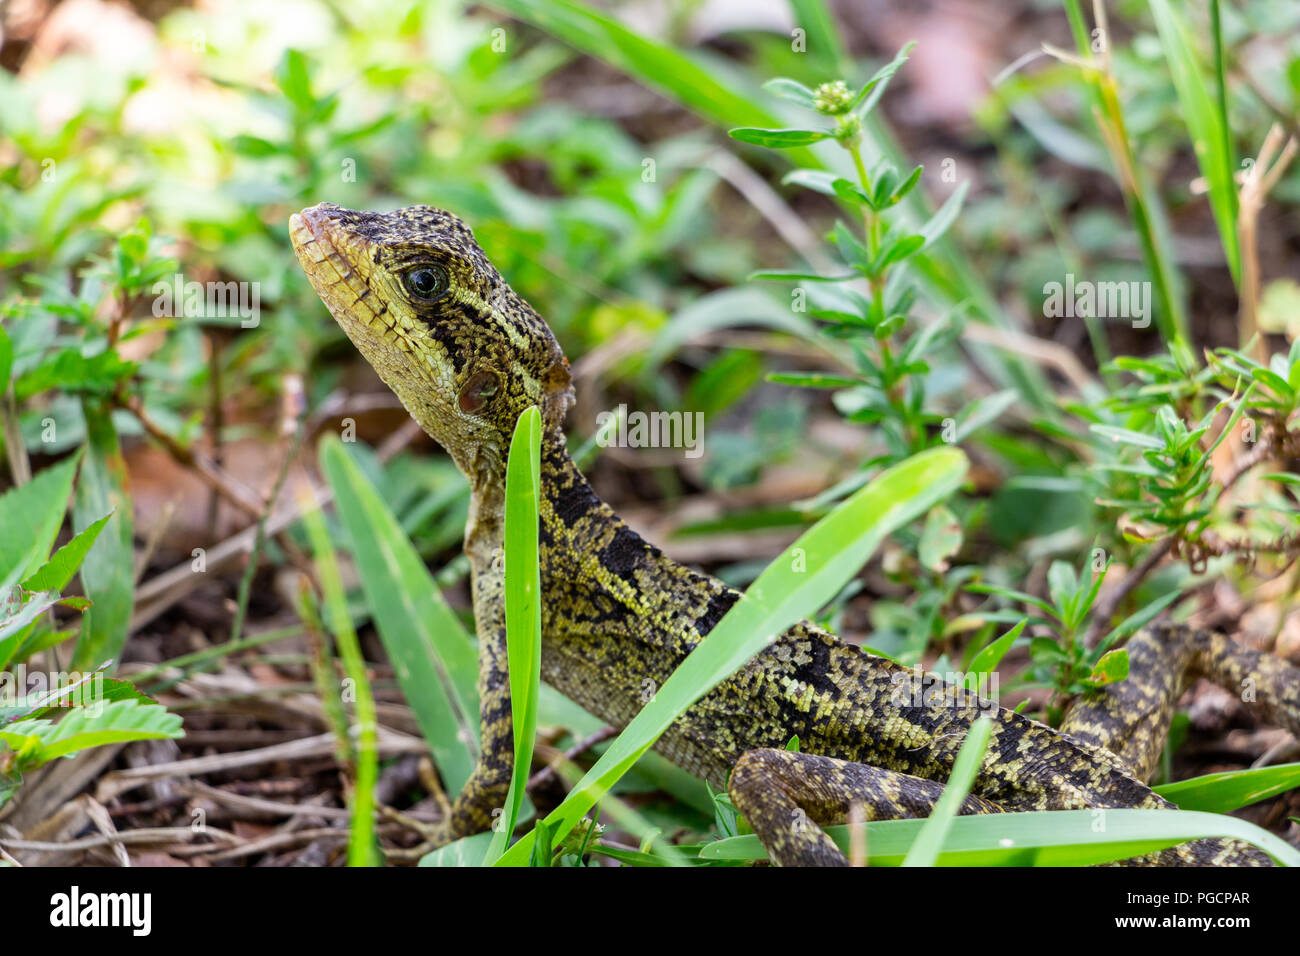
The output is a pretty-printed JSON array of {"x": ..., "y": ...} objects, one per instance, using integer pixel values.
[
  {"x": 866, "y": 312},
  {"x": 49, "y": 712}
]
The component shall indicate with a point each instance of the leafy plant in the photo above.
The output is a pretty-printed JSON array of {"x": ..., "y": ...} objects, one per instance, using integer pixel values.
[
  {"x": 890, "y": 359},
  {"x": 68, "y": 711}
]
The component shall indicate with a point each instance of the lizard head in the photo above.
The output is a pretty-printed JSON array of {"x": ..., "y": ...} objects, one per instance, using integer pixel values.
[{"x": 422, "y": 303}]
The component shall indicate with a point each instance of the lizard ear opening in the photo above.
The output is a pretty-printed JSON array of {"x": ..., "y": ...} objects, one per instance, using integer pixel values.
[{"x": 478, "y": 391}]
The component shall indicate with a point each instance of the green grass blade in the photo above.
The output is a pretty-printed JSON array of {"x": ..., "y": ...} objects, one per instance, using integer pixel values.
[
  {"x": 929, "y": 841},
  {"x": 656, "y": 64},
  {"x": 1039, "y": 838},
  {"x": 523, "y": 608},
  {"x": 108, "y": 569},
  {"x": 795, "y": 585},
  {"x": 361, "y": 837},
  {"x": 1221, "y": 102},
  {"x": 1225, "y": 792},
  {"x": 433, "y": 658},
  {"x": 1144, "y": 206},
  {"x": 816, "y": 20},
  {"x": 1206, "y": 122}
]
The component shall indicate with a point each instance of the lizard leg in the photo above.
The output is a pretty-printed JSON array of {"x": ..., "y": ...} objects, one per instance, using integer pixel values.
[
  {"x": 485, "y": 792},
  {"x": 1130, "y": 718},
  {"x": 788, "y": 797}
]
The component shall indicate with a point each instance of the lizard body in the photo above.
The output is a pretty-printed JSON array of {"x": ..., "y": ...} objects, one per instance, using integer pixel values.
[{"x": 466, "y": 355}]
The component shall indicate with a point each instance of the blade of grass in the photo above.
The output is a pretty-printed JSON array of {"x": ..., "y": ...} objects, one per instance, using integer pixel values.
[
  {"x": 1142, "y": 201},
  {"x": 1221, "y": 92},
  {"x": 523, "y": 609},
  {"x": 433, "y": 658},
  {"x": 361, "y": 838},
  {"x": 1206, "y": 121},
  {"x": 929, "y": 841},
  {"x": 108, "y": 569},
  {"x": 816, "y": 19},
  {"x": 1039, "y": 838},
  {"x": 1225, "y": 792},
  {"x": 829, "y": 554}
]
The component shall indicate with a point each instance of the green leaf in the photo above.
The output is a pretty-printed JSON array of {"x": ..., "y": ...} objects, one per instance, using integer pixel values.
[
  {"x": 1063, "y": 586},
  {"x": 778, "y": 138},
  {"x": 791, "y": 90},
  {"x": 940, "y": 538},
  {"x": 30, "y": 516},
  {"x": 523, "y": 589},
  {"x": 938, "y": 224},
  {"x": 785, "y": 275},
  {"x": 55, "y": 574},
  {"x": 1039, "y": 838},
  {"x": 897, "y": 251},
  {"x": 6, "y": 359},
  {"x": 908, "y": 185},
  {"x": 657, "y": 65},
  {"x": 467, "y": 851},
  {"x": 813, "y": 379},
  {"x": 71, "y": 371},
  {"x": 1125, "y": 436},
  {"x": 851, "y": 193},
  {"x": 929, "y": 841},
  {"x": 794, "y": 586},
  {"x": 1232, "y": 789},
  {"x": 820, "y": 181},
  {"x": 1013, "y": 595},
  {"x": 434, "y": 660},
  {"x": 987, "y": 660},
  {"x": 983, "y": 411},
  {"x": 1110, "y": 668},
  {"x": 292, "y": 79},
  {"x": 13, "y": 630},
  {"x": 874, "y": 88},
  {"x": 40, "y": 741}
]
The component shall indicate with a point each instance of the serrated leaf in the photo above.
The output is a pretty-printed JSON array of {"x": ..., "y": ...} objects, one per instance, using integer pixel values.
[
  {"x": 40, "y": 741},
  {"x": 55, "y": 574},
  {"x": 30, "y": 516}
]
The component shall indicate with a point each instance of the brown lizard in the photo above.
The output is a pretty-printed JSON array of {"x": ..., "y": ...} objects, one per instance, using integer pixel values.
[{"x": 466, "y": 356}]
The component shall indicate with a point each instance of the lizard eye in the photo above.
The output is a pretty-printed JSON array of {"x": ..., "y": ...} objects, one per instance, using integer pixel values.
[{"x": 427, "y": 282}]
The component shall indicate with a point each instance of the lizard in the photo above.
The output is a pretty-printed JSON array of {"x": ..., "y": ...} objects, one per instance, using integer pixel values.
[{"x": 466, "y": 355}]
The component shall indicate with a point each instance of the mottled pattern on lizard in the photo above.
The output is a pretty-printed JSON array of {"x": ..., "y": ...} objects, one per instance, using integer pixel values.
[{"x": 618, "y": 616}]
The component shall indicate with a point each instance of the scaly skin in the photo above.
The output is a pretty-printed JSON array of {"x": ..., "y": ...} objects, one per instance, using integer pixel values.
[{"x": 618, "y": 616}]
